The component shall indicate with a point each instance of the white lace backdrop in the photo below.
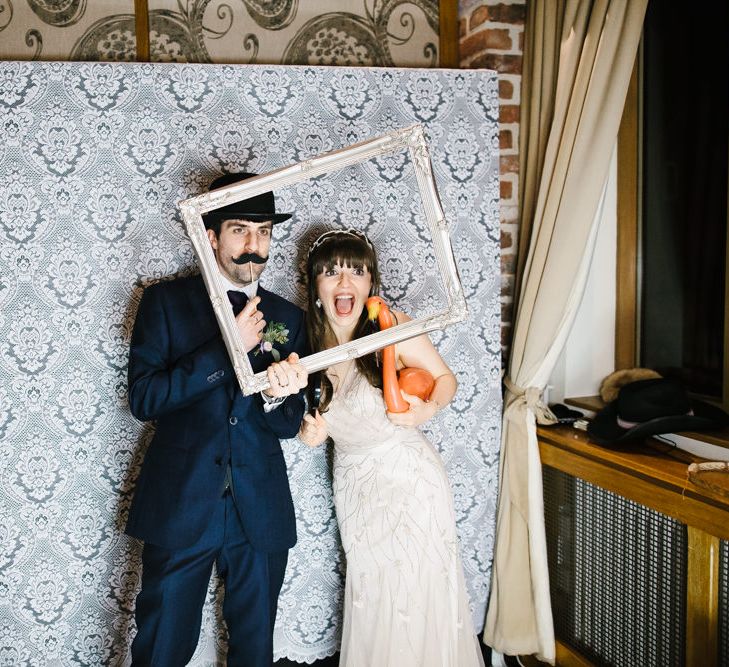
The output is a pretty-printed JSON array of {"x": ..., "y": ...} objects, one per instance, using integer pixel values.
[{"x": 93, "y": 160}]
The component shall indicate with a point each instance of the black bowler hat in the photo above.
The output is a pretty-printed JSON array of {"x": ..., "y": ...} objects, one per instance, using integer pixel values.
[
  {"x": 260, "y": 208},
  {"x": 651, "y": 407}
]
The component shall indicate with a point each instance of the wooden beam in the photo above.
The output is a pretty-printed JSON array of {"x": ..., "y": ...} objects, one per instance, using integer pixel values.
[
  {"x": 448, "y": 29},
  {"x": 141, "y": 22},
  {"x": 702, "y": 598},
  {"x": 626, "y": 267}
]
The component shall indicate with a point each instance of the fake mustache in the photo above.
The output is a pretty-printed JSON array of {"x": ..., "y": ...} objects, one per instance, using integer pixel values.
[{"x": 247, "y": 257}]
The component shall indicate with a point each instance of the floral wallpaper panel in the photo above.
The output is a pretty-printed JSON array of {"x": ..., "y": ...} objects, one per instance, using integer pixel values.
[
  {"x": 327, "y": 32},
  {"x": 67, "y": 30}
]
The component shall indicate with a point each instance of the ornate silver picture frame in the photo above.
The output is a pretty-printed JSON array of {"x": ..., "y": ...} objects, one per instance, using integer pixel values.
[{"x": 411, "y": 139}]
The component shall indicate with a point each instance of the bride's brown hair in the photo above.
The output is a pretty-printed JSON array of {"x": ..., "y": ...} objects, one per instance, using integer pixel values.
[{"x": 344, "y": 248}]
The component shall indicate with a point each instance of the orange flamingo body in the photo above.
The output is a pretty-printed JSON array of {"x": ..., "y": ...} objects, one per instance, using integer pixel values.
[{"x": 415, "y": 381}]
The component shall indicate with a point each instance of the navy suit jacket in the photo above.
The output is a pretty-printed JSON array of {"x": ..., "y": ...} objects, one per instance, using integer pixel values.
[{"x": 180, "y": 375}]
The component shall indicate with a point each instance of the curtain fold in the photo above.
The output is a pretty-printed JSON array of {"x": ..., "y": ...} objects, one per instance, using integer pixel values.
[
  {"x": 539, "y": 84},
  {"x": 572, "y": 127}
]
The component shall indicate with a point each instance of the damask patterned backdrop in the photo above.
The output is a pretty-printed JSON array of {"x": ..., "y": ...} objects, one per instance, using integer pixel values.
[
  {"x": 326, "y": 32},
  {"x": 93, "y": 161}
]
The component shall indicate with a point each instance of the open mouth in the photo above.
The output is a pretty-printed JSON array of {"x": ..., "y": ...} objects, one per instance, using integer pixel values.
[{"x": 343, "y": 305}]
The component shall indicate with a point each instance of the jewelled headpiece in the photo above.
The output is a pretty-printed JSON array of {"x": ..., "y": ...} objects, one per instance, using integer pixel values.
[{"x": 339, "y": 232}]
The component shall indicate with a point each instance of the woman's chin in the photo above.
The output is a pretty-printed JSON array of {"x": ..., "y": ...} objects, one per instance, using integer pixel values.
[
  {"x": 343, "y": 324},
  {"x": 344, "y": 320}
]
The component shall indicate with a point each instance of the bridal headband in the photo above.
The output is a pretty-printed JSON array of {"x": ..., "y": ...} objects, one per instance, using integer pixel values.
[{"x": 335, "y": 232}]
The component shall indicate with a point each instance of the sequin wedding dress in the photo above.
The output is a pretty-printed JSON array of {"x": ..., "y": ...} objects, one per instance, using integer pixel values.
[{"x": 405, "y": 601}]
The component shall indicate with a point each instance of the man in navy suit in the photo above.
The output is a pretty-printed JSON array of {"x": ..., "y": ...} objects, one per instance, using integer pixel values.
[{"x": 213, "y": 486}]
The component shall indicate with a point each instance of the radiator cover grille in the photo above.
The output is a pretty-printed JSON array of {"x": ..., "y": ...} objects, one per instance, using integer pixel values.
[{"x": 617, "y": 575}]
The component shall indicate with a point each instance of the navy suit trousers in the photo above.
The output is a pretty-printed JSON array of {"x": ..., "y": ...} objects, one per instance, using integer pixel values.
[{"x": 174, "y": 585}]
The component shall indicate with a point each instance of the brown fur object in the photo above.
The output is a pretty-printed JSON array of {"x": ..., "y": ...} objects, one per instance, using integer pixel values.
[{"x": 612, "y": 383}]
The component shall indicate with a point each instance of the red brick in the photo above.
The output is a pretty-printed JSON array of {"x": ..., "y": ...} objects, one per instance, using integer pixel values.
[
  {"x": 506, "y": 240},
  {"x": 512, "y": 14},
  {"x": 506, "y": 140},
  {"x": 499, "y": 39},
  {"x": 473, "y": 44},
  {"x": 485, "y": 40},
  {"x": 506, "y": 89},
  {"x": 508, "y": 263},
  {"x": 509, "y": 164},
  {"x": 507, "y": 310},
  {"x": 501, "y": 62},
  {"x": 509, "y": 113},
  {"x": 480, "y": 15},
  {"x": 505, "y": 342},
  {"x": 505, "y": 189}
]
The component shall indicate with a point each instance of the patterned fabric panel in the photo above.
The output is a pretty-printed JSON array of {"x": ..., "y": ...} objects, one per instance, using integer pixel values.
[{"x": 94, "y": 159}]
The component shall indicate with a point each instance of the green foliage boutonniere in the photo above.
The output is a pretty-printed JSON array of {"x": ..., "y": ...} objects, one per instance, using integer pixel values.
[{"x": 275, "y": 332}]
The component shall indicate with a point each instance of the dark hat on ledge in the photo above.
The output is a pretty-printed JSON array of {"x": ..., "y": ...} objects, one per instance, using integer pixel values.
[
  {"x": 651, "y": 407},
  {"x": 260, "y": 208}
]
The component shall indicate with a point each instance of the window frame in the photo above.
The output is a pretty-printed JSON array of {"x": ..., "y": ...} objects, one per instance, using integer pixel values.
[{"x": 628, "y": 253}]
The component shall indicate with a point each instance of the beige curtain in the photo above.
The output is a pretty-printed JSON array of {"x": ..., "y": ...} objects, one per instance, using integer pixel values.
[
  {"x": 574, "y": 106},
  {"x": 539, "y": 86}
]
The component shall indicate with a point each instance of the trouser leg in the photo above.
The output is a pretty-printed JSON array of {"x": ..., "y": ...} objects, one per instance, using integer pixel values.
[
  {"x": 252, "y": 583},
  {"x": 169, "y": 606}
]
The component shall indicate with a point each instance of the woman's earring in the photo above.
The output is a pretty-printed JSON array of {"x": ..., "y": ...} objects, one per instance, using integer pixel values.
[{"x": 318, "y": 303}]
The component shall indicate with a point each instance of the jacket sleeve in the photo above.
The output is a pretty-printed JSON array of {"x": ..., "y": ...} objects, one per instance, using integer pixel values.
[
  {"x": 285, "y": 420},
  {"x": 159, "y": 384}
]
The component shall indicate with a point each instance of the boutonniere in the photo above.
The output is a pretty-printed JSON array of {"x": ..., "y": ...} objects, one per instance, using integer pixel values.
[{"x": 276, "y": 332}]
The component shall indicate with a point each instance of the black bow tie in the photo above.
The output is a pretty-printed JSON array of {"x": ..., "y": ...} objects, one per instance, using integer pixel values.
[{"x": 238, "y": 300}]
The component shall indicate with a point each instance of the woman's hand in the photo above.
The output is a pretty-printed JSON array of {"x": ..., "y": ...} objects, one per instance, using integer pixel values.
[
  {"x": 313, "y": 431},
  {"x": 420, "y": 412}
]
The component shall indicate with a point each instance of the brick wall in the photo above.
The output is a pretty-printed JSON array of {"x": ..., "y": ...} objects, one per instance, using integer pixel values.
[{"x": 492, "y": 37}]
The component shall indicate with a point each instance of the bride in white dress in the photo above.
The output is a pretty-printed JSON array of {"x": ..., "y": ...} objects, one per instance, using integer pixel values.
[{"x": 405, "y": 602}]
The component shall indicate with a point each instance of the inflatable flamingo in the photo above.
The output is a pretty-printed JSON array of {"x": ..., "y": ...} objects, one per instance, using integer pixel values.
[{"x": 414, "y": 381}]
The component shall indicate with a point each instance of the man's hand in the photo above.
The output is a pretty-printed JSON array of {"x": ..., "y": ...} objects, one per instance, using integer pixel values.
[
  {"x": 420, "y": 411},
  {"x": 313, "y": 431},
  {"x": 286, "y": 377},
  {"x": 250, "y": 323}
]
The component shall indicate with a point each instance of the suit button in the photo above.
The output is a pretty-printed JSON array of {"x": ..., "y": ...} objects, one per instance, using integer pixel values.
[
  {"x": 233, "y": 420},
  {"x": 219, "y": 461}
]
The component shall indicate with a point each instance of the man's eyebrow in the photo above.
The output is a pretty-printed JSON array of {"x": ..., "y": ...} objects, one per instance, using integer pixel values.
[
  {"x": 250, "y": 223},
  {"x": 239, "y": 223}
]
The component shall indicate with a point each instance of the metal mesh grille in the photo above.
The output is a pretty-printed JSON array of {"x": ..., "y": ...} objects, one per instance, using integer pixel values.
[
  {"x": 617, "y": 572},
  {"x": 724, "y": 603}
]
